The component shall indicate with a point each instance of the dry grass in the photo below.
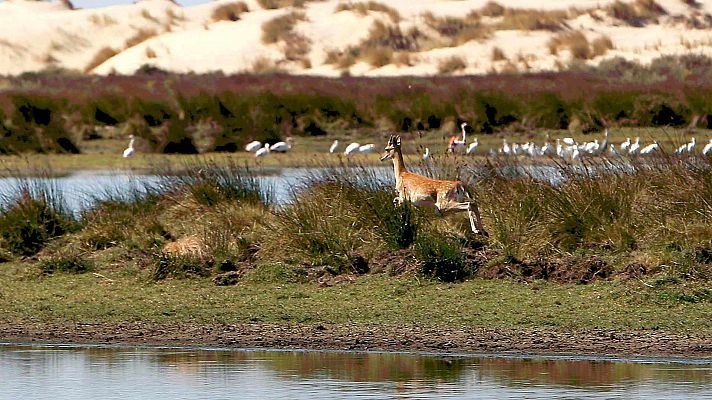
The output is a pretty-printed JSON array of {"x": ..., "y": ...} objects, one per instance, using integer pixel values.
[
  {"x": 532, "y": 20},
  {"x": 280, "y": 27},
  {"x": 492, "y": 9},
  {"x": 146, "y": 14},
  {"x": 139, "y": 37},
  {"x": 575, "y": 42},
  {"x": 403, "y": 58},
  {"x": 102, "y": 19},
  {"x": 378, "y": 56},
  {"x": 229, "y": 11},
  {"x": 601, "y": 45},
  {"x": 451, "y": 64},
  {"x": 100, "y": 57},
  {"x": 296, "y": 47},
  {"x": 343, "y": 59},
  {"x": 150, "y": 53},
  {"x": 391, "y": 36},
  {"x": 498, "y": 54},
  {"x": 275, "y": 4},
  {"x": 636, "y": 14},
  {"x": 457, "y": 31},
  {"x": 364, "y": 7},
  {"x": 265, "y": 65}
]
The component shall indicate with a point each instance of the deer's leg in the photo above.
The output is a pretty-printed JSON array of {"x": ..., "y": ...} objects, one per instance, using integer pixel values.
[{"x": 473, "y": 214}]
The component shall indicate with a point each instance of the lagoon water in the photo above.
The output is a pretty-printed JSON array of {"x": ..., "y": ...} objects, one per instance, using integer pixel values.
[{"x": 68, "y": 372}]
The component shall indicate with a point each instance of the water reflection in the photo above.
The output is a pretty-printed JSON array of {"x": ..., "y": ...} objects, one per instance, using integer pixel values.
[{"x": 96, "y": 372}]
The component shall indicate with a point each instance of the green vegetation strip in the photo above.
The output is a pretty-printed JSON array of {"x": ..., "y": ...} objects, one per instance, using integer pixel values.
[{"x": 372, "y": 300}]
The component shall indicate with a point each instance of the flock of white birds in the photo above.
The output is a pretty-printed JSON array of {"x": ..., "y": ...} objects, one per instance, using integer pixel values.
[{"x": 564, "y": 148}]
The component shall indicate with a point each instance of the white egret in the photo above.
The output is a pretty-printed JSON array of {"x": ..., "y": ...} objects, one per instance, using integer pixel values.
[
  {"x": 334, "y": 145},
  {"x": 367, "y": 148},
  {"x": 282, "y": 147},
  {"x": 129, "y": 151},
  {"x": 253, "y": 146},
  {"x": 262, "y": 151},
  {"x": 707, "y": 149},
  {"x": 352, "y": 148}
]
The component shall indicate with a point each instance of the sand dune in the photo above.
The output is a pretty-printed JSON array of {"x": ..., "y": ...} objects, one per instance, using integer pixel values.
[{"x": 331, "y": 38}]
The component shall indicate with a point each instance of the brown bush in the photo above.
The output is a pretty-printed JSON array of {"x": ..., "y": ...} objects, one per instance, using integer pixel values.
[
  {"x": 601, "y": 45},
  {"x": 492, "y": 9},
  {"x": 532, "y": 20},
  {"x": 458, "y": 30},
  {"x": 100, "y": 57},
  {"x": 636, "y": 14},
  {"x": 275, "y": 4},
  {"x": 139, "y": 37},
  {"x": 498, "y": 54},
  {"x": 229, "y": 11},
  {"x": 451, "y": 64},
  {"x": 278, "y": 28},
  {"x": 378, "y": 56},
  {"x": 575, "y": 42},
  {"x": 365, "y": 7}
]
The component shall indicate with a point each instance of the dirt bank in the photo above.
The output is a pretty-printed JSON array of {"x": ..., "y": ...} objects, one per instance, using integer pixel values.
[{"x": 358, "y": 337}]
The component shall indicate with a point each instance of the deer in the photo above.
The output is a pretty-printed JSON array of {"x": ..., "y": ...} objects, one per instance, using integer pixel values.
[{"x": 422, "y": 191}]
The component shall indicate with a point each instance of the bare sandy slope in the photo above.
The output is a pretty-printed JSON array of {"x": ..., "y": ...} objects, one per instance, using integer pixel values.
[{"x": 35, "y": 36}]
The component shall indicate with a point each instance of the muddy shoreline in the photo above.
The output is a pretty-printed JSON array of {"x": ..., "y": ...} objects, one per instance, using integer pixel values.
[{"x": 594, "y": 342}]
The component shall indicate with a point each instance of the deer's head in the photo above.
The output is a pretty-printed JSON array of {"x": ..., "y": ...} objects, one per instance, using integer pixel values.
[{"x": 394, "y": 144}]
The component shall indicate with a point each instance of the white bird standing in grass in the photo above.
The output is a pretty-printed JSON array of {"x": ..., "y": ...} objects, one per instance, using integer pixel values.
[
  {"x": 253, "y": 146},
  {"x": 129, "y": 151},
  {"x": 472, "y": 147},
  {"x": 634, "y": 147},
  {"x": 707, "y": 149},
  {"x": 334, "y": 145},
  {"x": 366, "y": 148},
  {"x": 691, "y": 146},
  {"x": 649, "y": 149},
  {"x": 625, "y": 145},
  {"x": 426, "y": 155},
  {"x": 263, "y": 151},
  {"x": 282, "y": 147},
  {"x": 352, "y": 148}
]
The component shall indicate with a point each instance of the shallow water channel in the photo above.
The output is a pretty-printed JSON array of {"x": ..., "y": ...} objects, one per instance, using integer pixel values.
[{"x": 69, "y": 372}]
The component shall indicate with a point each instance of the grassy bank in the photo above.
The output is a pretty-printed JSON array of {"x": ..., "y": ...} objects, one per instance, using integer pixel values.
[{"x": 268, "y": 296}]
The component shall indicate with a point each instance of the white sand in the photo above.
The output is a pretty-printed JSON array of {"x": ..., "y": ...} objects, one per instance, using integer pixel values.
[{"x": 39, "y": 35}]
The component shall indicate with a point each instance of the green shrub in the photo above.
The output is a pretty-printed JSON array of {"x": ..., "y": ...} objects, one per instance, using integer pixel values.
[
  {"x": 31, "y": 218},
  {"x": 73, "y": 264},
  {"x": 441, "y": 258},
  {"x": 660, "y": 110},
  {"x": 185, "y": 266}
]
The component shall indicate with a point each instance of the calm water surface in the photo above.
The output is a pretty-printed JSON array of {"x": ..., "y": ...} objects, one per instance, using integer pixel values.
[{"x": 64, "y": 372}]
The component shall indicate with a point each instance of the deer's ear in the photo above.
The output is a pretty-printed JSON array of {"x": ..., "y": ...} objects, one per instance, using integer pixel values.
[{"x": 398, "y": 140}]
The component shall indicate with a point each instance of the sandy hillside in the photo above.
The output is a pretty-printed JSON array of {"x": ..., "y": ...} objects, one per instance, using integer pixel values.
[{"x": 332, "y": 38}]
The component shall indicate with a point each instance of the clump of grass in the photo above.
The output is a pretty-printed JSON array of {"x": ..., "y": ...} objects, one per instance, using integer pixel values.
[
  {"x": 33, "y": 216},
  {"x": 575, "y": 42},
  {"x": 378, "y": 56},
  {"x": 100, "y": 57},
  {"x": 280, "y": 27},
  {"x": 492, "y": 9},
  {"x": 139, "y": 37},
  {"x": 275, "y": 4},
  {"x": 128, "y": 218},
  {"x": 391, "y": 36},
  {"x": 72, "y": 263},
  {"x": 265, "y": 66},
  {"x": 229, "y": 11},
  {"x": 601, "y": 45},
  {"x": 275, "y": 273},
  {"x": 441, "y": 258},
  {"x": 451, "y": 64},
  {"x": 637, "y": 14},
  {"x": 531, "y": 20},
  {"x": 364, "y": 7},
  {"x": 181, "y": 266},
  {"x": 458, "y": 30},
  {"x": 211, "y": 184},
  {"x": 498, "y": 54}
]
